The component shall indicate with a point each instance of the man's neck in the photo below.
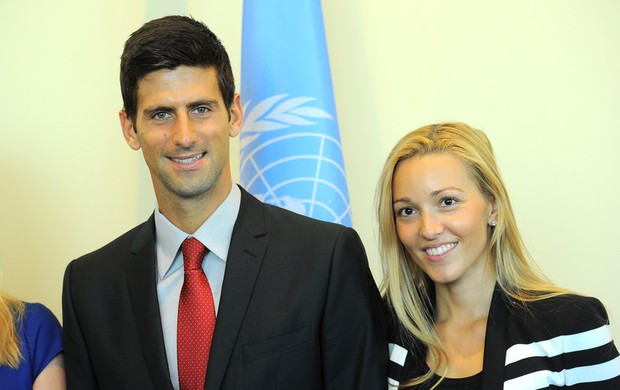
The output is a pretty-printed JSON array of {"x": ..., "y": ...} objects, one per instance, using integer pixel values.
[{"x": 188, "y": 214}]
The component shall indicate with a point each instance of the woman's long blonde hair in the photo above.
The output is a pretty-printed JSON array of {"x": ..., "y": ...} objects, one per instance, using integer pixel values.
[
  {"x": 405, "y": 286},
  {"x": 11, "y": 314}
]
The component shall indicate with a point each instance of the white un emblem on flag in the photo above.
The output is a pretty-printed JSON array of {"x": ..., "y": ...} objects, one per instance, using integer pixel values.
[{"x": 289, "y": 160}]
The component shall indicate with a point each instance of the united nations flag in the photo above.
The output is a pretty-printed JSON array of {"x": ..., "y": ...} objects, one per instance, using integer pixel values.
[{"x": 291, "y": 154}]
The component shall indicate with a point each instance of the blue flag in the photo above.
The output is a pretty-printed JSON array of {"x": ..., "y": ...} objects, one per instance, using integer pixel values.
[{"x": 291, "y": 154}]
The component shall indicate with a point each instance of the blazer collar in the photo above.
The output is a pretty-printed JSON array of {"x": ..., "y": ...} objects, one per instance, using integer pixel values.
[
  {"x": 245, "y": 258},
  {"x": 495, "y": 343}
]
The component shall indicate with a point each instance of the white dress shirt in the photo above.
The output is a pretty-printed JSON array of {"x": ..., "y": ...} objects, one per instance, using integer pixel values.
[{"x": 215, "y": 233}]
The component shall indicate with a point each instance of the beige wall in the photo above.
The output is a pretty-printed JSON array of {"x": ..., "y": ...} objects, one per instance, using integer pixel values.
[{"x": 540, "y": 77}]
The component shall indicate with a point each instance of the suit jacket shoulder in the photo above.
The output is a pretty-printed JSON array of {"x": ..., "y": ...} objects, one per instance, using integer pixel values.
[
  {"x": 279, "y": 221},
  {"x": 299, "y": 305},
  {"x": 128, "y": 242},
  {"x": 111, "y": 323}
]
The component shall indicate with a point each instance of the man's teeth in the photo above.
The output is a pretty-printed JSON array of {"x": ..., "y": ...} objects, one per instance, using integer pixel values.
[
  {"x": 188, "y": 160},
  {"x": 440, "y": 250}
]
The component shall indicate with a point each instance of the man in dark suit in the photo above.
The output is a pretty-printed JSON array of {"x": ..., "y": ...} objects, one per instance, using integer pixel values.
[{"x": 292, "y": 298}]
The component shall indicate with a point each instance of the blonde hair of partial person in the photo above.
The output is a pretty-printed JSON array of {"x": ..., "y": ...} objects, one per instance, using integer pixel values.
[
  {"x": 11, "y": 313},
  {"x": 405, "y": 286}
]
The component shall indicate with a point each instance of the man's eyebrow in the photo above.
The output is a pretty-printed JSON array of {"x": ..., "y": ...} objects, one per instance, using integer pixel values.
[
  {"x": 206, "y": 102},
  {"x": 148, "y": 112}
]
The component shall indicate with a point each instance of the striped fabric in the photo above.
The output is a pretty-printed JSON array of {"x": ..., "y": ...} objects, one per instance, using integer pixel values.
[
  {"x": 559, "y": 345},
  {"x": 398, "y": 355},
  {"x": 584, "y": 346},
  {"x": 562, "y": 342}
]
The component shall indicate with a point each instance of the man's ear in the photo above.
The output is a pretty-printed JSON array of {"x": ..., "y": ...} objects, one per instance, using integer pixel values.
[
  {"x": 236, "y": 116},
  {"x": 129, "y": 131}
]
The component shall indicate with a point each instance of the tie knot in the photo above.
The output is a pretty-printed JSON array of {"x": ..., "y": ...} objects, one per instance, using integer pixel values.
[{"x": 193, "y": 253}]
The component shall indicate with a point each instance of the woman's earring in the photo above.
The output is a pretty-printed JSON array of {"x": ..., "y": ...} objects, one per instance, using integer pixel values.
[{"x": 493, "y": 223}]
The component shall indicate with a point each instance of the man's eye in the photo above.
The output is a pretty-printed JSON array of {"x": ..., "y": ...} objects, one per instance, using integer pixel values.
[
  {"x": 201, "y": 110},
  {"x": 161, "y": 115}
]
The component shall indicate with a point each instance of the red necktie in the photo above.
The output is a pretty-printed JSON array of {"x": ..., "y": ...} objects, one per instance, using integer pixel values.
[{"x": 196, "y": 320}]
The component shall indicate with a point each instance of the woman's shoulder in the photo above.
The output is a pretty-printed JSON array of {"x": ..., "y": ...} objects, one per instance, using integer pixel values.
[
  {"x": 42, "y": 336},
  {"x": 565, "y": 305},
  {"x": 37, "y": 314},
  {"x": 560, "y": 315},
  {"x": 567, "y": 335},
  {"x": 41, "y": 328}
]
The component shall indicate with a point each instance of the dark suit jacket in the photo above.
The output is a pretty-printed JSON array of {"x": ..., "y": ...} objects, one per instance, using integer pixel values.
[{"x": 299, "y": 310}]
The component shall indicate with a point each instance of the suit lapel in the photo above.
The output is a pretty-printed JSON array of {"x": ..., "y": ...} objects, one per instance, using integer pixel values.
[
  {"x": 495, "y": 343},
  {"x": 243, "y": 264},
  {"x": 142, "y": 287}
]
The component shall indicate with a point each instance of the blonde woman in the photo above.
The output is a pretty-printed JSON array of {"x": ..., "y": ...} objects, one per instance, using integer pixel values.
[
  {"x": 469, "y": 308},
  {"x": 30, "y": 347}
]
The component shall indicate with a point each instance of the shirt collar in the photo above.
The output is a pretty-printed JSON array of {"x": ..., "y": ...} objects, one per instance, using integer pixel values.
[{"x": 215, "y": 233}]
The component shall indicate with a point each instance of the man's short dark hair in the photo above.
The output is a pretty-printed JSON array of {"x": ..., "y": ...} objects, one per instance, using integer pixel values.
[{"x": 168, "y": 43}]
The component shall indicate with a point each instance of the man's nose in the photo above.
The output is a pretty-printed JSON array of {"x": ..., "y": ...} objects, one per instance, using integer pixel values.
[{"x": 184, "y": 131}]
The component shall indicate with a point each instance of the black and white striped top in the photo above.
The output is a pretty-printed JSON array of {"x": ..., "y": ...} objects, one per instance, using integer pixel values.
[{"x": 548, "y": 344}]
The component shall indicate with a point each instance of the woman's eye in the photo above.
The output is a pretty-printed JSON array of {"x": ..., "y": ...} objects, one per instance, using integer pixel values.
[
  {"x": 449, "y": 201},
  {"x": 406, "y": 211}
]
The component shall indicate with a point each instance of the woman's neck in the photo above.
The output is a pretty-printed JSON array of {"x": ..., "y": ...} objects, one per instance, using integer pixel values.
[{"x": 465, "y": 300}]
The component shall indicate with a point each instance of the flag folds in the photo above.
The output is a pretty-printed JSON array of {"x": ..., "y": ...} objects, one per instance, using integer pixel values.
[{"x": 291, "y": 154}]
